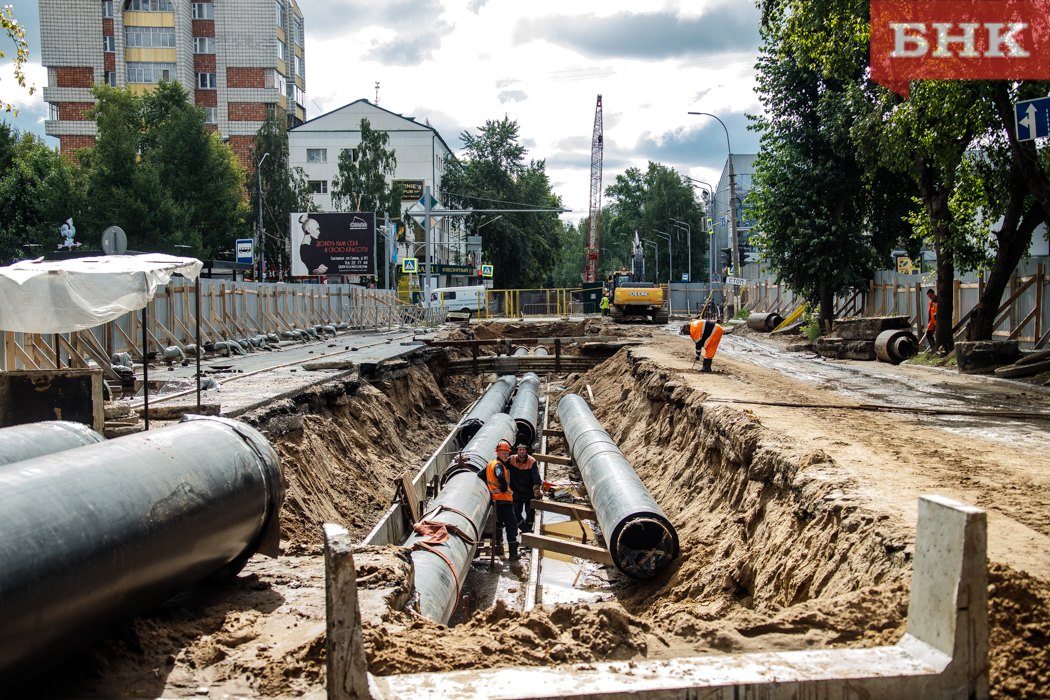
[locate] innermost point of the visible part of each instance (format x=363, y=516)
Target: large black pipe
x=491, y=402
x=22, y=442
x=641, y=539
x=97, y=534
x=467, y=497
x=526, y=407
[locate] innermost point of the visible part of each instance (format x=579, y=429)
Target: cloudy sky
x=542, y=63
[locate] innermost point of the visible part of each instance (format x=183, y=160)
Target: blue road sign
x=1033, y=119
x=245, y=250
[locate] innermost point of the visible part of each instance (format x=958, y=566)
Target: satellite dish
x=114, y=241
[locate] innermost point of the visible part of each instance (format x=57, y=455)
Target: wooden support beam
x=411, y=498
x=347, y=667
x=573, y=549
x=552, y=459
x=45, y=355
x=550, y=432
x=75, y=359
x=88, y=343
x=132, y=345
x=22, y=355
x=568, y=509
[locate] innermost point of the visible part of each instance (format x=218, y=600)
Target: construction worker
x=706, y=335
x=605, y=304
x=525, y=484
x=497, y=476
x=931, y=325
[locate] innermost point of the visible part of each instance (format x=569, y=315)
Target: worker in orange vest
x=706, y=335
x=497, y=477
x=525, y=484
x=931, y=325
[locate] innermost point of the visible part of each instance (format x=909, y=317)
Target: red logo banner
x=959, y=40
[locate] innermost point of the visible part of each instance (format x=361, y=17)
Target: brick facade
x=247, y=112
x=67, y=144
x=73, y=111
x=203, y=27
x=203, y=63
x=245, y=78
x=206, y=98
x=107, y=26
x=110, y=60
x=242, y=148
x=74, y=77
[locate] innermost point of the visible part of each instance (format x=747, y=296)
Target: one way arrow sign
x=1033, y=119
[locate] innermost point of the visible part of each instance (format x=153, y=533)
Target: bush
x=742, y=314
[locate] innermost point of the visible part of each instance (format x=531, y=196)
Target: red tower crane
x=595, y=214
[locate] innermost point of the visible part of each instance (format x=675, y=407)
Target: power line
x=499, y=201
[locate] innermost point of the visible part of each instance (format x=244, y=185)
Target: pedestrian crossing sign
x=409, y=265
x=486, y=270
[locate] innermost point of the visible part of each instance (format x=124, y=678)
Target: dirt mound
x=562, y=329
x=500, y=637
x=1019, y=647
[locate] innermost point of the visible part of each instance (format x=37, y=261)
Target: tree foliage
x=524, y=247
x=17, y=34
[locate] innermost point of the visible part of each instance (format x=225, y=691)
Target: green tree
x=524, y=247
x=17, y=35
x=285, y=190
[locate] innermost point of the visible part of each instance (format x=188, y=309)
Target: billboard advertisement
x=328, y=243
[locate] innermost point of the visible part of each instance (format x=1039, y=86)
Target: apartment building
x=240, y=59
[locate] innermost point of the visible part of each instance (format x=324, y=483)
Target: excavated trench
x=777, y=552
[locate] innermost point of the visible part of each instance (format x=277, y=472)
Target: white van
x=466, y=299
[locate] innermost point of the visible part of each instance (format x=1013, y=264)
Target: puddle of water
x=564, y=579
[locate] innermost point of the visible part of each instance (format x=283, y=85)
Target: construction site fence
x=1023, y=314
x=229, y=310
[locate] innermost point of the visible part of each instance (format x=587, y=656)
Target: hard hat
x=503, y=445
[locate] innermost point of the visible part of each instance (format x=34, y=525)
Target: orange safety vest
x=526, y=465
x=708, y=333
x=932, y=325
x=496, y=489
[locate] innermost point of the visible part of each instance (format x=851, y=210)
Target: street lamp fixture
x=732, y=191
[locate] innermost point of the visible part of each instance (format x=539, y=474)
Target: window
x=206, y=81
x=282, y=51
x=450, y=296
x=52, y=112
x=273, y=79
x=316, y=155
x=203, y=44
x=149, y=37
x=211, y=115
x=299, y=70
x=150, y=72
x=296, y=94
x=271, y=109
x=149, y=6
x=350, y=153
x=318, y=186
x=109, y=43
x=107, y=8
x=280, y=12
x=203, y=10
x=110, y=78
x=297, y=30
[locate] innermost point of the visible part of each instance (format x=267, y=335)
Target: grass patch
x=931, y=360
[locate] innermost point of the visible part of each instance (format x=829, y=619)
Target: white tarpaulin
x=60, y=296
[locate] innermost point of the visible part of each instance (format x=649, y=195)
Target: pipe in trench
x=100, y=533
x=540, y=350
x=436, y=584
x=526, y=408
x=896, y=346
x=521, y=352
x=764, y=322
x=22, y=442
x=491, y=402
x=641, y=539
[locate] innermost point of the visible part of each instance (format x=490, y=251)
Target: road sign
x=486, y=270
x=685, y=276
x=410, y=265
x=1033, y=119
x=245, y=250
x=738, y=281
x=114, y=241
x=715, y=277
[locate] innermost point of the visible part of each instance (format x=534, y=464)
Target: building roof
x=359, y=106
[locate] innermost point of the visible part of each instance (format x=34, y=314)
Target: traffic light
x=748, y=255
x=727, y=258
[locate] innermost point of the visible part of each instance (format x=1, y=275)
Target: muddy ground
x=797, y=525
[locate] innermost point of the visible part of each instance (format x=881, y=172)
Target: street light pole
x=710, y=233
x=689, y=232
x=262, y=236
x=656, y=257
x=737, y=268
x=670, y=264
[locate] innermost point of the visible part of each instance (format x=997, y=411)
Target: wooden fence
x=228, y=310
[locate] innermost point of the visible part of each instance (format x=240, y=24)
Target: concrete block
x=842, y=349
x=983, y=356
x=868, y=328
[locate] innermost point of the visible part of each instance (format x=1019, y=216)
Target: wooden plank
x=552, y=459
x=75, y=359
x=171, y=336
x=1017, y=331
x=95, y=350
x=569, y=509
x=132, y=346
x=9, y=345
x=44, y=354
x=590, y=394
x=410, y=495
x=573, y=549
x=22, y=355
x=553, y=433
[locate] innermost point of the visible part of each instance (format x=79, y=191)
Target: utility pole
x=262, y=235
x=426, y=239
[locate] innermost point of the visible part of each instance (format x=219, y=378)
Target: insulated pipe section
x=540, y=350
x=22, y=442
x=491, y=402
x=526, y=407
x=437, y=583
x=99, y=533
x=896, y=346
x=521, y=352
x=764, y=322
x=641, y=539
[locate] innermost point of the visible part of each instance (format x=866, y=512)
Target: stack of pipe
x=640, y=538
x=467, y=499
x=99, y=533
x=21, y=442
x=526, y=407
x=491, y=402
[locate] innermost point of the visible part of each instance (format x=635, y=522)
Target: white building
x=421, y=154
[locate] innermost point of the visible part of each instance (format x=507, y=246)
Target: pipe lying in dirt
x=896, y=346
x=764, y=322
x=103, y=532
x=521, y=352
x=540, y=350
x=439, y=580
x=641, y=539
x=22, y=442
x=526, y=408
x=491, y=402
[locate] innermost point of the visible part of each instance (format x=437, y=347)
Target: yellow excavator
x=631, y=299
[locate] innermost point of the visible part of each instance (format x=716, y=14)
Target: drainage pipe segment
x=99, y=533
x=526, y=407
x=641, y=539
x=464, y=502
x=22, y=442
x=491, y=402
x=896, y=346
